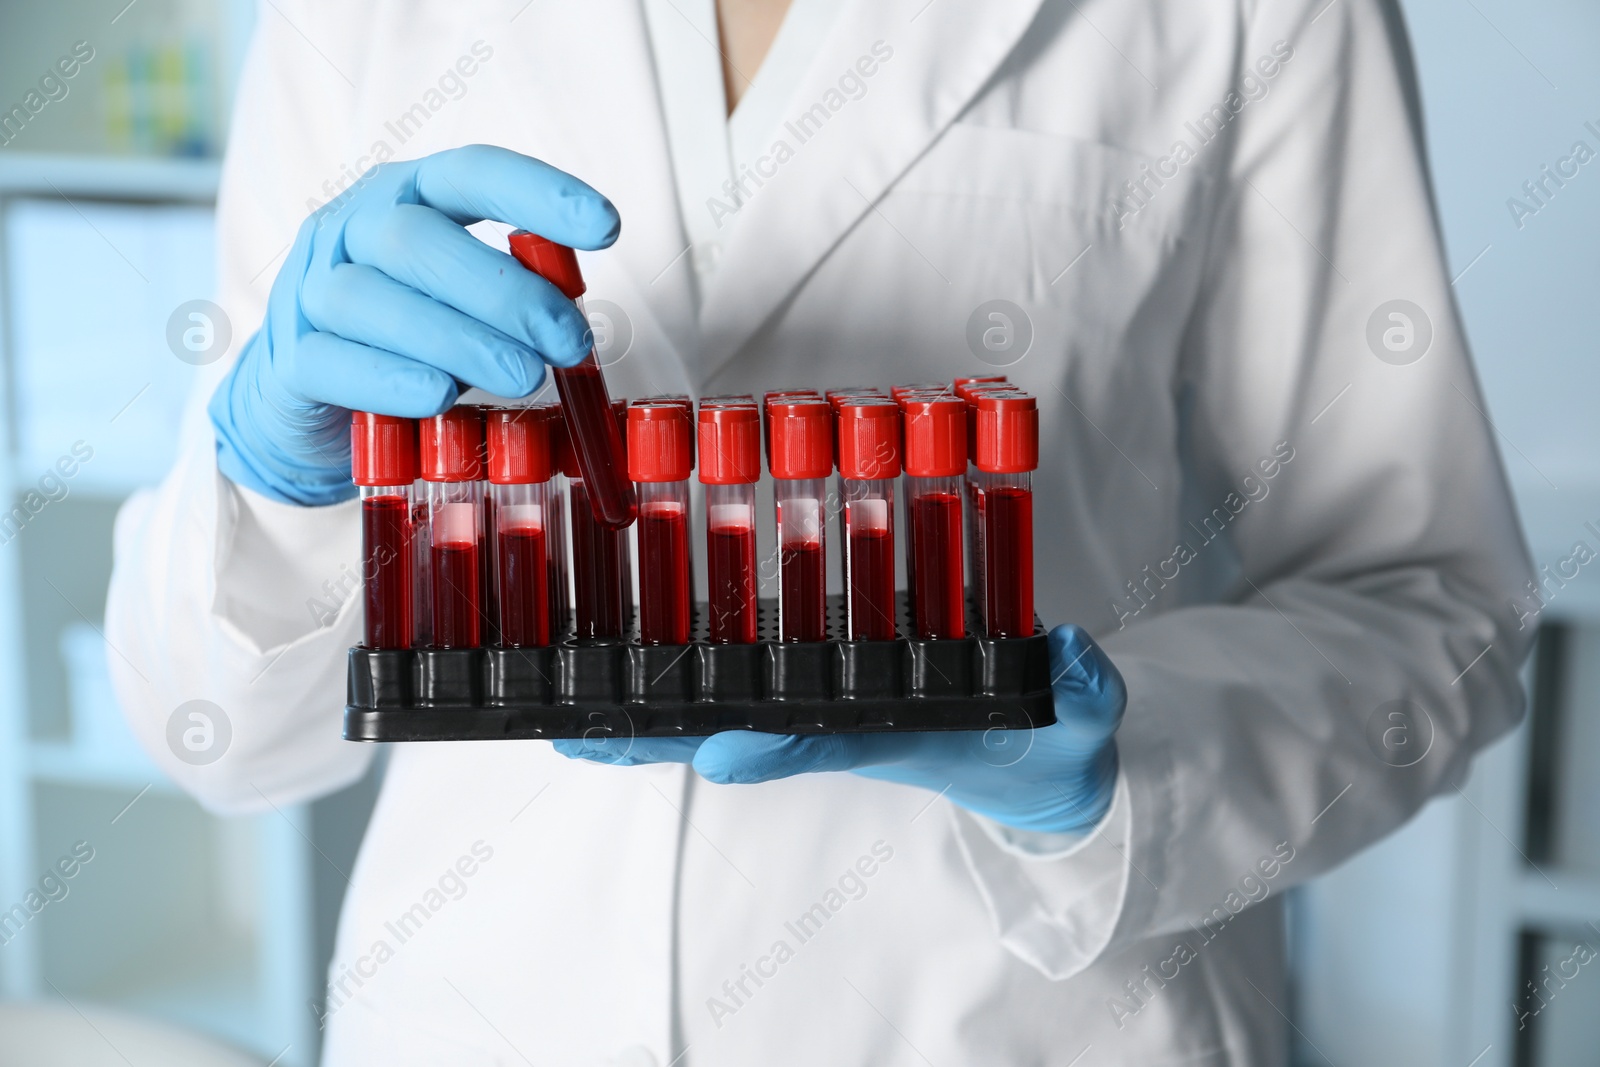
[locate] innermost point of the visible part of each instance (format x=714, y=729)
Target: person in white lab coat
x=1267, y=489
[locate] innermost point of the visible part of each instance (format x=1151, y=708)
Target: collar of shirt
x=710, y=149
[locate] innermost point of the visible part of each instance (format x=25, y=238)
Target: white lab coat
x=1182, y=342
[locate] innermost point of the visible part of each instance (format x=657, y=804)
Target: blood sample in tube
x=730, y=466
x=935, y=463
x=1007, y=455
x=596, y=439
x=452, y=469
x=659, y=463
x=800, y=438
x=384, y=465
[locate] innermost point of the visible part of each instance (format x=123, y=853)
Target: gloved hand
x=385, y=303
x=1056, y=779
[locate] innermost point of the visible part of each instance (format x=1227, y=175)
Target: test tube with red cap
x=383, y=463
x=520, y=471
x=452, y=469
x=967, y=389
x=935, y=461
x=596, y=440
x=1007, y=455
x=800, y=439
x=730, y=466
x=868, y=435
x=601, y=585
x=659, y=464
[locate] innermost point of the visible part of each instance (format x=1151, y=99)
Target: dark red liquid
x=731, y=582
x=940, y=602
x=663, y=575
x=421, y=576
x=560, y=612
x=524, y=587
x=597, y=442
x=802, y=591
x=1008, y=567
x=871, y=585
x=597, y=571
x=455, y=595
x=386, y=571
x=488, y=566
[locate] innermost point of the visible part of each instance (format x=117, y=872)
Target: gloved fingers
x=1090, y=695
x=327, y=369
x=365, y=305
x=745, y=757
x=419, y=247
x=630, y=751
x=477, y=182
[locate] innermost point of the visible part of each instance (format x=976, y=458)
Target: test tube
x=659, y=464
x=1007, y=455
x=868, y=436
x=520, y=471
x=563, y=465
x=730, y=466
x=935, y=461
x=383, y=463
x=968, y=389
x=800, y=440
x=600, y=592
x=596, y=440
x=452, y=469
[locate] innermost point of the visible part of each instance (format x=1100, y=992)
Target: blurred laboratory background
x=1434, y=948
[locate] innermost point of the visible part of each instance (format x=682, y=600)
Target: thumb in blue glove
x=387, y=304
x=1056, y=779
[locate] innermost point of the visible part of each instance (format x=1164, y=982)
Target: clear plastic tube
x=597, y=441
x=663, y=532
x=802, y=559
x=1007, y=510
x=731, y=563
x=868, y=521
x=599, y=568
x=524, y=565
x=940, y=605
x=386, y=565
x=455, y=516
x=421, y=568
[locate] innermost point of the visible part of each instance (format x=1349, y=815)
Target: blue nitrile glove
x=385, y=303
x=1056, y=779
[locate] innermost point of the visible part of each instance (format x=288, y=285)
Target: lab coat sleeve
x=218, y=594
x=1375, y=577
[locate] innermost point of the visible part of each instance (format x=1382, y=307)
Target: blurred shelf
x=109, y=177
x=64, y=763
x=1566, y=900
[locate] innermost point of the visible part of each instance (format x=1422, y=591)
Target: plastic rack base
x=623, y=689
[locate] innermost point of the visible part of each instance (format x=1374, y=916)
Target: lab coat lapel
x=604, y=104
x=942, y=52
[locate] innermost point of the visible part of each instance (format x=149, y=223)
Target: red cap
x=1008, y=432
x=680, y=400
x=383, y=449
x=869, y=437
x=452, y=445
x=725, y=399
x=800, y=437
x=556, y=264
x=973, y=379
x=968, y=390
x=658, y=442
x=936, y=436
x=839, y=396
x=519, y=445
x=730, y=444
x=898, y=391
